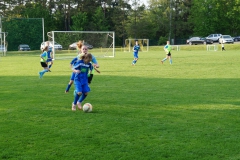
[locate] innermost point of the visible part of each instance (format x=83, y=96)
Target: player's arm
x=76, y=68
x=96, y=69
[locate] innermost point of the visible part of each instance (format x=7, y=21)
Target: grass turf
x=188, y=110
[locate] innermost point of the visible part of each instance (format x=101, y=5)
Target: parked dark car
x=73, y=46
x=195, y=40
x=24, y=47
x=237, y=38
x=207, y=41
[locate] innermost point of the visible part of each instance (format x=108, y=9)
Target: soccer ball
x=87, y=107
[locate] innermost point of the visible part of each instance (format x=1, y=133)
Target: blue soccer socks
x=83, y=96
x=76, y=97
x=42, y=73
x=164, y=59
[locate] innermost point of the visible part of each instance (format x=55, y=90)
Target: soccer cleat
x=79, y=105
x=162, y=62
x=73, y=107
x=49, y=70
x=40, y=74
x=66, y=91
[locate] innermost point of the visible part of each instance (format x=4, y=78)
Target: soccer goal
x=176, y=47
x=212, y=47
x=100, y=43
x=143, y=43
x=3, y=43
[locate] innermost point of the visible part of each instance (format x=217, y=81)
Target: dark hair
x=45, y=48
x=88, y=55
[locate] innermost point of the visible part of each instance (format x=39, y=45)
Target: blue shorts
x=84, y=88
x=135, y=55
x=72, y=76
x=49, y=60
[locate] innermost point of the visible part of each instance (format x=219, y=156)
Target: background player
x=43, y=62
x=167, y=48
x=136, y=48
x=50, y=56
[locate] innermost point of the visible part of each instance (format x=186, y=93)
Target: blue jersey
x=49, y=49
x=136, y=48
x=74, y=61
x=82, y=77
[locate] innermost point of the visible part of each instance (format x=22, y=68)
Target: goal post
x=143, y=43
x=102, y=43
x=212, y=47
x=3, y=43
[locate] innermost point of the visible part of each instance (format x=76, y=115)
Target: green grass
x=185, y=111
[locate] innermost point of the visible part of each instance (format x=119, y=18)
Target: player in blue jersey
x=95, y=66
x=136, y=48
x=72, y=63
x=50, y=57
x=81, y=69
x=167, y=48
x=43, y=62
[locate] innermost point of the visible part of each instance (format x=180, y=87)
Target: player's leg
x=164, y=59
x=78, y=89
x=70, y=82
x=135, y=59
x=170, y=58
x=85, y=90
x=51, y=63
x=45, y=69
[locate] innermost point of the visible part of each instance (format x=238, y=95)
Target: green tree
x=80, y=21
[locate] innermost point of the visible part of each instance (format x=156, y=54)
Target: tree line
x=160, y=20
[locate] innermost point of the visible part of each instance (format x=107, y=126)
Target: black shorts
x=44, y=64
x=169, y=54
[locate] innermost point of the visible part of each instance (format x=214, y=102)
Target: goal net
x=143, y=43
x=212, y=47
x=3, y=43
x=100, y=43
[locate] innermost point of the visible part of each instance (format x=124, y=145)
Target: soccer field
x=187, y=110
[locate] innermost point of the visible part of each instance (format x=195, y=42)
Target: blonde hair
x=79, y=44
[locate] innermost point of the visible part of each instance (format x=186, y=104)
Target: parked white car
x=73, y=46
x=57, y=46
x=226, y=39
x=214, y=37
